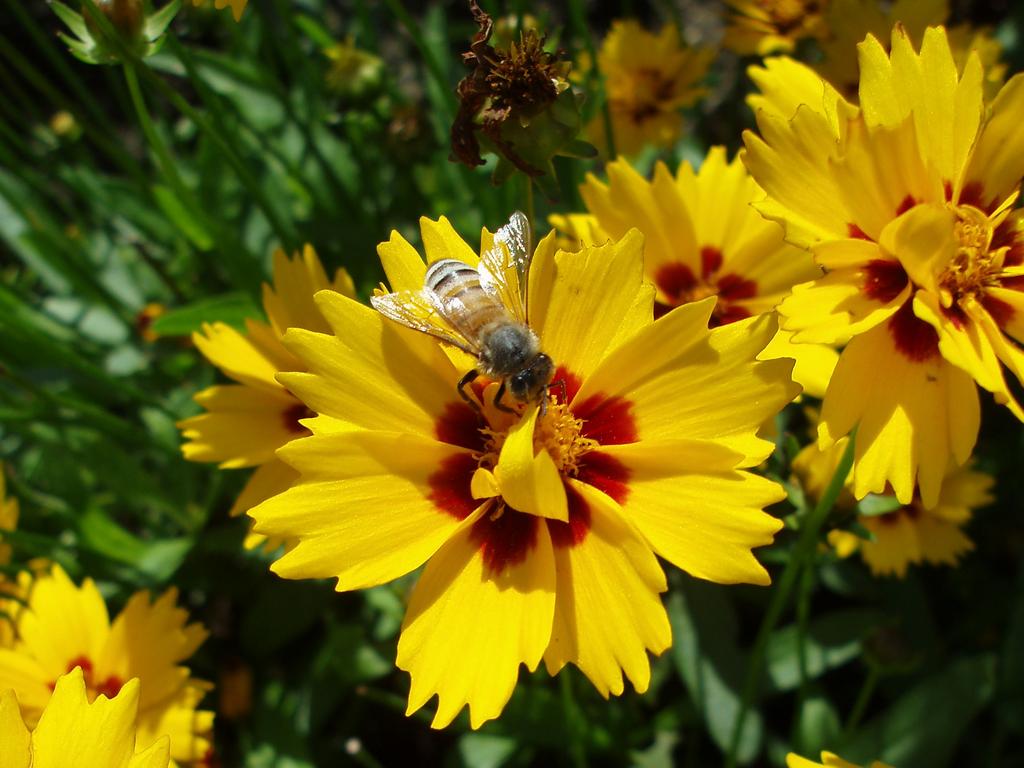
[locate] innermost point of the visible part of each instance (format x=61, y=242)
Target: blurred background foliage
x=138, y=201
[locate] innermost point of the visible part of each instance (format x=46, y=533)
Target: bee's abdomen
x=457, y=283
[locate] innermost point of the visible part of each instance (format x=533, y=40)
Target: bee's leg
x=497, y=400
x=469, y=378
x=560, y=386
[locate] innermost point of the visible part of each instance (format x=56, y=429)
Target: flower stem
x=802, y=555
x=861, y=703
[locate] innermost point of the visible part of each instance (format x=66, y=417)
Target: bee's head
x=529, y=384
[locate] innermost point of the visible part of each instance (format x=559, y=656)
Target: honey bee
x=483, y=312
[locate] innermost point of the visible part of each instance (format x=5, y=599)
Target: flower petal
x=834, y=308
x=814, y=362
x=791, y=163
x=372, y=373
x=441, y=241
x=403, y=266
x=997, y=162
x=14, y=736
x=289, y=303
x=608, y=612
x=700, y=515
x=915, y=418
x=242, y=426
x=74, y=734
x=590, y=300
x=363, y=511
x=683, y=381
x=529, y=482
x=236, y=356
x=64, y=622
x=268, y=480
x=467, y=629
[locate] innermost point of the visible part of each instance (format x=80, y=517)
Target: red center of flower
x=680, y=285
x=293, y=414
x=571, y=432
x=109, y=687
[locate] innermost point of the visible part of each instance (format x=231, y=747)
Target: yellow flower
x=237, y=6
x=906, y=202
x=828, y=760
x=772, y=26
x=850, y=21
x=246, y=422
x=63, y=627
x=702, y=238
x=74, y=732
x=538, y=529
x=648, y=79
x=903, y=535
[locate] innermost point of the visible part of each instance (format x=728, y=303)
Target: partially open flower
x=129, y=29
x=773, y=26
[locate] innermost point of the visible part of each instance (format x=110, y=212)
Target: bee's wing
x=423, y=311
x=504, y=268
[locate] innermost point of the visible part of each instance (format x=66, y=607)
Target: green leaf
x=158, y=559
x=711, y=663
x=659, y=754
x=922, y=727
x=874, y=504
x=818, y=726
x=185, y=220
x=832, y=640
x=481, y=750
x=230, y=308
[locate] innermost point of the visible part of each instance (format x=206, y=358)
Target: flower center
x=976, y=265
x=679, y=285
x=558, y=432
x=109, y=686
x=789, y=14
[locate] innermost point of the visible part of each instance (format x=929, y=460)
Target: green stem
x=163, y=155
x=571, y=712
x=802, y=554
x=803, y=615
x=861, y=703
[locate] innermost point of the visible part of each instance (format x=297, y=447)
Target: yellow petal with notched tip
x=698, y=513
x=393, y=377
x=530, y=482
x=608, y=613
x=242, y=426
x=915, y=418
x=468, y=629
x=75, y=734
x=403, y=266
x=363, y=512
x=589, y=302
x=441, y=241
x=236, y=356
x=728, y=392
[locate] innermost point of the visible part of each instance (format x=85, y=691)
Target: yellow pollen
x=975, y=266
x=557, y=431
